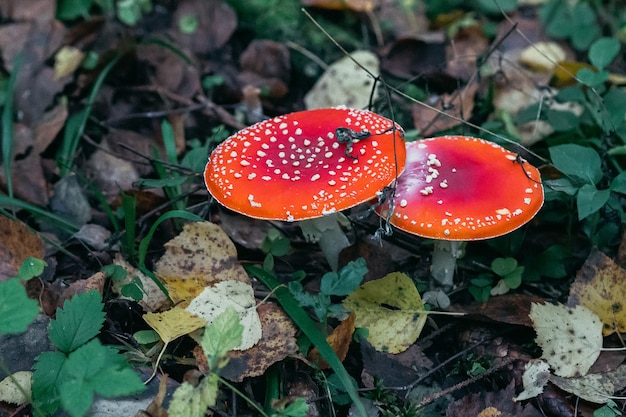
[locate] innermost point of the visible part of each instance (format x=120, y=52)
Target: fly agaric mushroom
x=459, y=188
x=307, y=166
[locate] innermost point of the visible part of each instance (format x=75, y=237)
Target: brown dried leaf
x=276, y=343
x=600, y=285
x=339, y=339
x=508, y=308
x=216, y=23
x=198, y=257
x=501, y=401
x=354, y=5
x=17, y=244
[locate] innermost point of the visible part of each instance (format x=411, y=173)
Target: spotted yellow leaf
x=600, y=285
x=570, y=337
x=391, y=309
x=174, y=323
x=201, y=255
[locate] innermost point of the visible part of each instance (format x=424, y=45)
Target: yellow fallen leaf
x=215, y=299
x=570, y=337
x=600, y=285
x=11, y=393
x=67, y=60
x=201, y=255
x=344, y=83
x=174, y=323
x=392, y=309
x=542, y=56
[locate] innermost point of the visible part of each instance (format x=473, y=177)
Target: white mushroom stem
x=327, y=232
x=445, y=254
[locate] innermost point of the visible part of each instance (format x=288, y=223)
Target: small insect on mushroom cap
x=295, y=167
x=464, y=188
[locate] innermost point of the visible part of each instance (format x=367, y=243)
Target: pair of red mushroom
x=308, y=166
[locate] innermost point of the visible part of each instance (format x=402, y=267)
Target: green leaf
x=592, y=78
x=93, y=368
x=222, y=336
x=346, y=280
x=80, y=320
x=562, y=185
x=17, y=311
x=47, y=369
x=563, y=121
x=31, y=268
x=619, y=183
x=514, y=278
x=503, y=266
x=615, y=109
x=580, y=162
x=603, y=51
x=190, y=401
x=115, y=272
x=297, y=408
x=590, y=200
x=163, y=182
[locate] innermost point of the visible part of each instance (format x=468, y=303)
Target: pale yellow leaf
x=344, y=83
x=391, y=309
x=535, y=377
x=11, y=393
x=570, y=337
x=67, y=60
x=174, y=323
x=215, y=299
x=596, y=388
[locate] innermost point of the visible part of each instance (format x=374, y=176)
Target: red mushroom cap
x=292, y=167
x=464, y=188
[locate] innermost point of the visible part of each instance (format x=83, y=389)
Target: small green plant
x=132, y=289
x=275, y=244
x=610, y=409
x=576, y=21
x=17, y=311
x=69, y=377
x=339, y=283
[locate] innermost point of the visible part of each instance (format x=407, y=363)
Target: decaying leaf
x=215, y=299
x=198, y=257
x=11, y=393
x=277, y=342
x=17, y=244
x=542, y=56
x=596, y=388
x=535, y=377
x=600, y=285
x=345, y=83
x=339, y=340
x=392, y=310
x=174, y=323
x=570, y=337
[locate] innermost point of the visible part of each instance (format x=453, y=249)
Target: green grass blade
x=145, y=242
x=76, y=124
x=10, y=203
x=7, y=124
x=308, y=327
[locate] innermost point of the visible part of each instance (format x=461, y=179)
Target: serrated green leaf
x=503, y=266
x=76, y=397
x=580, y=162
x=346, y=280
x=190, y=401
x=590, y=200
x=31, y=268
x=223, y=335
x=94, y=368
x=79, y=321
x=17, y=311
x=603, y=51
x=48, y=367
